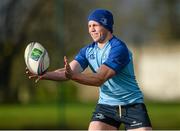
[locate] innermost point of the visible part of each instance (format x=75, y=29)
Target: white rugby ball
x=36, y=58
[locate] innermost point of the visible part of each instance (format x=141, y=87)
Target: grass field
x=76, y=116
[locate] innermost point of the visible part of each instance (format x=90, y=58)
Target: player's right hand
x=31, y=75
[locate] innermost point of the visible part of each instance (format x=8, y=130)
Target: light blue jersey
x=122, y=89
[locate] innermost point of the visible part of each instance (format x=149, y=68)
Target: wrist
x=45, y=76
x=73, y=76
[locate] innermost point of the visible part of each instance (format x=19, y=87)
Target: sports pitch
x=76, y=116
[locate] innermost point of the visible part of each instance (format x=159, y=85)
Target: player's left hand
x=68, y=70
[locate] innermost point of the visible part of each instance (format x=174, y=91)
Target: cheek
x=89, y=30
x=98, y=30
x=104, y=32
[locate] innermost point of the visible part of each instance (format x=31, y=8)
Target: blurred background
x=150, y=28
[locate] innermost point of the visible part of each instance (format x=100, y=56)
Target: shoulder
x=87, y=48
x=118, y=56
x=81, y=57
x=118, y=46
x=116, y=42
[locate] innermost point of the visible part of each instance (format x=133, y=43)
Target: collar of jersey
x=106, y=44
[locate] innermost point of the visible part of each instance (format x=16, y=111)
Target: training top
x=121, y=89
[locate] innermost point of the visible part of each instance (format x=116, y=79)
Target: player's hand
x=33, y=76
x=68, y=70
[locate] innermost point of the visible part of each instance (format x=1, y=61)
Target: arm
x=59, y=74
x=56, y=75
x=92, y=79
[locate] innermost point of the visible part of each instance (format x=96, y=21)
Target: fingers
x=66, y=63
x=31, y=75
x=65, y=60
x=37, y=80
x=68, y=71
x=28, y=72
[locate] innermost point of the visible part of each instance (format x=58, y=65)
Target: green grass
x=164, y=116
x=76, y=116
x=19, y=117
x=70, y=116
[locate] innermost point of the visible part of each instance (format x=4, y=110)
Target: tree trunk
x=5, y=72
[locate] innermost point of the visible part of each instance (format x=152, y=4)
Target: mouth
x=94, y=35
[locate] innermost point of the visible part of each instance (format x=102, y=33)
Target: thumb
x=65, y=60
x=37, y=80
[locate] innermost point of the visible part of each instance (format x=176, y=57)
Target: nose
x=91, y=29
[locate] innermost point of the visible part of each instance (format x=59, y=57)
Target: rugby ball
x=36, y=58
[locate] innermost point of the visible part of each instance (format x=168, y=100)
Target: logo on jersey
x=104, y=57
x=92, y=56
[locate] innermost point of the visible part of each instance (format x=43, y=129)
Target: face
x=97, y=31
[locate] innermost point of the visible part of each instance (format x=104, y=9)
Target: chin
x=96, y=40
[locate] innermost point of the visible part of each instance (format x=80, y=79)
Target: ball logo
x=36, y=54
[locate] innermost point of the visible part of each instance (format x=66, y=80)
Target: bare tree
x=15, y=18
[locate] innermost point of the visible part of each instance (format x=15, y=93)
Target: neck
x=102, y=43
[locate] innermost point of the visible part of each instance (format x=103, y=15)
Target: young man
x=120, y=99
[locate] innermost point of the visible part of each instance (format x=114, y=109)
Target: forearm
x=92, y=79
x=57, y=75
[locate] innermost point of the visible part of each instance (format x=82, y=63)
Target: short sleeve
x=81, y=58
x=118, y=57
